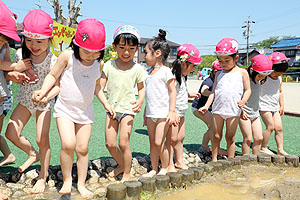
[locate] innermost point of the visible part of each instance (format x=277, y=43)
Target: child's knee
x=124, y=145
x=111, y=145
x=82, y=150
x=229, y=139
x=43, y=142
x=248, y=140
x=68, y=146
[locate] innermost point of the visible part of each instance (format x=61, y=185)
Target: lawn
x=139, y=143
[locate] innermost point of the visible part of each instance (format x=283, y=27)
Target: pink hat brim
x=11, y=35
x=194, y=60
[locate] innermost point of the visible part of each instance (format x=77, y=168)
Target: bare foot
x=66, y=188
x=32, y=159
x=222, y=152
x=282, y=153
x=85, y=193
x=3, y=196
x=149, y=174
x=266, y=151
x=163, y=171
x=126, y=177
x=172, y=169
x=181, y=166
x=39, y=186
x=115, y=172
x=9, y=159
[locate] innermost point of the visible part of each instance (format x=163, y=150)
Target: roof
x=171, y=44
x=287, y=43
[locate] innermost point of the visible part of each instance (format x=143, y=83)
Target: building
x=140, y=56
x=291, y=48
x=251, y=53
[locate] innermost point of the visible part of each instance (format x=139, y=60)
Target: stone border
x=18, y=186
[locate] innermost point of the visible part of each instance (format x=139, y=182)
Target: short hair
x=252, y=74
x=75, y=48
x=128, y=37
x=160, y=43
x=280, y=67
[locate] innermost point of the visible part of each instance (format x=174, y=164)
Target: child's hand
x=244, y=115
x=241, y=103
x=137, y=106
x=281, y=111
x=17, y=77
x=110, y=110
x=37, y=97
x=173, y=119
x=23, y=65
x=195, y=95
x=32, y=75
x=203, y=110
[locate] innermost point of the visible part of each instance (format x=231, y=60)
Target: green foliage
x=271, y=41
x=12, y=54
x=145, y=195
x=206, y=62
x=107, y=54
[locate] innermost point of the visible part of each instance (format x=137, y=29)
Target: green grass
x=139, y=142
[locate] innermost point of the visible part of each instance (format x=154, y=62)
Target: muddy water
x=252, y=183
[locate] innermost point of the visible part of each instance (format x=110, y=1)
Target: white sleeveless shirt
x=228, y=92
x=269, y=97
x=77, y=86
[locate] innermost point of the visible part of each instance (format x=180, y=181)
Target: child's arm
x=247, y=89
x=99, y=92
x=53, y=92
x=17, y=77
x=138, y=103
x=52, y=77
x=173, y=117
x=194, y=95
x=281, y=109
x=205, y=91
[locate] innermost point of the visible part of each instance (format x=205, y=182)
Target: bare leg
x=66, y=129
x=43, y=119
x=218, y=123
x=267, y=118
x=17, y=121
x=83, y=134
x=125, y=131
x=279, y=133
x=111, y=133
x=207, y=118
x=171, y=140
x=231, y=126
x=257, y=135
x=3, y=196
x=178, y=148
x=245, y=126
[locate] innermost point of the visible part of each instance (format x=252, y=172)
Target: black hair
x=128, y=37
x=281, y=67
x=252, y=74
x=75, y=48
x=25, y=51
x=176, y=69
x=8, y=39
x=160, y=43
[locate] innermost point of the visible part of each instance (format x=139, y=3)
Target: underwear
x=154, y=119
x=119, y=116
x=225, y=116
x=273, y=113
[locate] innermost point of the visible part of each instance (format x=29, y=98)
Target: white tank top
x=269, y=97
x=77, y=86
x=228, y=92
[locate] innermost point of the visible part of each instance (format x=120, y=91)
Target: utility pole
x=246, y=34
x=39, y=5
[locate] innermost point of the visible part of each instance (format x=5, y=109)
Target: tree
x=207, y=61
x=73, y=12
x=271, y=41
x=107, y=55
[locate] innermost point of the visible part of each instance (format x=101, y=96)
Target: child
x=187, y=57
x=271, y=103
x=230, y=92
x=205, y=90
x=250, y=125
x=121, y=77
x=160, y=111
x=36, y=24
x=78, y=71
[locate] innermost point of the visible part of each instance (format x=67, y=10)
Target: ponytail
x=176, y=69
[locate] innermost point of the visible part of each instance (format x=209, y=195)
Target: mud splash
x=253, y=182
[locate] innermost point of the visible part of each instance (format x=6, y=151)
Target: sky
x=198, y=22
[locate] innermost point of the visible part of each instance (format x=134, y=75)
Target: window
x=290, y=53
x=173, y=51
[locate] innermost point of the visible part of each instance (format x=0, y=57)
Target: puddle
x=252, y=183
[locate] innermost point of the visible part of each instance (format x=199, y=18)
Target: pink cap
x=127, y=29
x=190, y=53
x=90, y=35
x=226, y=46
x=278, y=57
x=262, y=64
x=216, y=65
x=8, y=26
x=37, y=24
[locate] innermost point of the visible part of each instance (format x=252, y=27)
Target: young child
x=121, y=76
x=37, y=24
x=271, y=103
x=160, y=111
x=250, y=125
x=187, y=57
x=78, y=71
x=230, y=92
x=205, y=90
